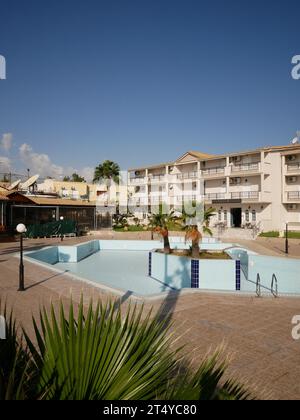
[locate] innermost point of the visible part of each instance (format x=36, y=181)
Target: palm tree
x=208, y=214
x=102, y=354
x=107, y=171
x=160, y=223
x=193, y=234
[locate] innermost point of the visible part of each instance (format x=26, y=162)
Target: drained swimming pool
x=135, y=267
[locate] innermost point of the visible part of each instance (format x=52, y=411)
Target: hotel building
x=258, y=188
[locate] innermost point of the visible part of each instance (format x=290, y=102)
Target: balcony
x=154, y=178
x=213, y=172
x=293, y=167
x=246, y=167
x=137, y=180
x=245, y=195
x=137, y=202
x=214, y=196
x=187, y=175
x=185, y=198
x=293, y=196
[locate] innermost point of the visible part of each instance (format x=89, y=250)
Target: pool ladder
x=274, y=286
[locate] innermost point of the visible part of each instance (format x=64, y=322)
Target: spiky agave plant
x=206, y=383
x=17, y=375
x=100, y=354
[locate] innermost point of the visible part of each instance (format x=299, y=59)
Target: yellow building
x=73, y=190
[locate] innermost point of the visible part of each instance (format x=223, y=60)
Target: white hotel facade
x=252, y=188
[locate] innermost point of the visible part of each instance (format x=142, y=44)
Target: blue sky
x=144, y=81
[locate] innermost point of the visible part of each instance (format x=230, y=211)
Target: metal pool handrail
x=258, y=285
x=274, y=286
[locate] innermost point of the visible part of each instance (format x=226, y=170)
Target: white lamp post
x=61, y=226
x=286, y=237
x=21, y=229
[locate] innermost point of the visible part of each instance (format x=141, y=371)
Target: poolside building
x=252, y=188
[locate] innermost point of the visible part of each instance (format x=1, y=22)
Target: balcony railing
x=137, y=202
x=293, y=167
x=137, y=180
x=246, y=195
x=293, y=195
x=187, y=175
x=156, y=177
x=219, y=170
x=246, y=167
x=185, y=198
x=214, y=196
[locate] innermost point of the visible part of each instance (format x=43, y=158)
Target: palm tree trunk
x=167, y=248
x=195, y=249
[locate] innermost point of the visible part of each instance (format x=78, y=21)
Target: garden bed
x=204, y=255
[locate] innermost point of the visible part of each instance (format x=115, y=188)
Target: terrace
x=263, y=354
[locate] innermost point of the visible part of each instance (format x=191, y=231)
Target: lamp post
x=287, y=237
x=61, y=230
x=21, y=229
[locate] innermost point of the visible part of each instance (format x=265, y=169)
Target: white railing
x=219, y=170
x=245, y=195
x=214, y=196
x=187, y=175
x=293, y=167
x=293, y=195
x=246, y=167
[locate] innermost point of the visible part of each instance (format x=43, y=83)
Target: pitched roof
x=60, y=201
x=200, y=155
x=3, y=197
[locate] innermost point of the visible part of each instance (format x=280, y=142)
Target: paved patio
x=256, y=332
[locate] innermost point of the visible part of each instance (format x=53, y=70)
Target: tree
x=193, y=234
x=160, y=223
x=107, y=171
x=74, y=178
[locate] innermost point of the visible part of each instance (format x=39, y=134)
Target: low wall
x=182, y=272
x=77, y=252
x=47, y=255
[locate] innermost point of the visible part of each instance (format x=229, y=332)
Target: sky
x=143, y=81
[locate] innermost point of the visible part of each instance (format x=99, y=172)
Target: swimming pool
x=134, y=267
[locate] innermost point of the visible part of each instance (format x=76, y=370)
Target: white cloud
x=39, y=163
x=6, y=141
x=5, y=164
x=87, y=173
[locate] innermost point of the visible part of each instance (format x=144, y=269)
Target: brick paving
x=256, y=332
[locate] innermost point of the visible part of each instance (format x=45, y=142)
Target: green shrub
x=272, y=234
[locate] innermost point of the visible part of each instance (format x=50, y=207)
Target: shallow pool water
x=126, y=270
x=124, y=265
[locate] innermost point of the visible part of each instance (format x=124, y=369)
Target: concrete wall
x=48, y=255
x=176, y=272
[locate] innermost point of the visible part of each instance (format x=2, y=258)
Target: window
x=247, y=216
x=225, y=216
x=253, y=215
x=220, y=215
